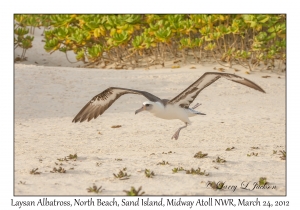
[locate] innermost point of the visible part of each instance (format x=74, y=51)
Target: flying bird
x=176, y=108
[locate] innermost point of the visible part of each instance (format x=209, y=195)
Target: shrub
x=144, y=40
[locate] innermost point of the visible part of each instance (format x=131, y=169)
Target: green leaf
x=80, y=55
x=21, y=31
x=210, y=46
x=264, y=18
x=95, y=51
x=51, y=44
x=163, y=34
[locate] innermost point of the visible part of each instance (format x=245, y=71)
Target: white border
x=187, y=6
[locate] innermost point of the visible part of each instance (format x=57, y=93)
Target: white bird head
x=147, y=106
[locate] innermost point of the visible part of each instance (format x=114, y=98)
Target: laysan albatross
x=176, y=108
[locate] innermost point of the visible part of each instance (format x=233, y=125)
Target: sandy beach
x=48, y=98
x=49, y=92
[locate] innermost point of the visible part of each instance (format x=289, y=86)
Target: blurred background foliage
x=143, y=40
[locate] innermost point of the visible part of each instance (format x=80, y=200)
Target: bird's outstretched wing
x=99, y=103
x=187, y=96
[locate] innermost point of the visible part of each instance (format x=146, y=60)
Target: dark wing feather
x=99, y=103
x=186, y=97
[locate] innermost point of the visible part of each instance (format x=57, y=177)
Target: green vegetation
x=163, y=163
x=262, y=181
x=252, y=154
x=229, y=149
x=122, y=175
x=95, y=189
x=59, y=170
x=142, y=40
x=21, y=182
x=196, y=172
x=58, y=163
x=149, y=174
x=69, y=157
x=200, y=155
x=283, y=153
x=167, y=152
x=134, y=192
x=34, y=171
x=175, y=170
x=72, y=157
x=118, y=159
x=116, y=126
x=216, y=186
x=219, y=160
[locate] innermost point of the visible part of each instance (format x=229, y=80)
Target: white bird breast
x=170, y=112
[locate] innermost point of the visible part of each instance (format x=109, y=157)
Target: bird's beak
x=140, y=110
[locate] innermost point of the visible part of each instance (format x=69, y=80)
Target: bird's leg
x=196, y=105
x=176, y=135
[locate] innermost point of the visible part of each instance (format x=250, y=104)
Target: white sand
x=48, y=98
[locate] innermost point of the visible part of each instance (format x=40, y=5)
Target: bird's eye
x=147, y=104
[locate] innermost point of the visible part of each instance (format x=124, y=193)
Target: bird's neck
x=157, y=108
